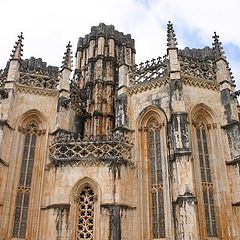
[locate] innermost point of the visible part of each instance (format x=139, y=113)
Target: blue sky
x=49, y=25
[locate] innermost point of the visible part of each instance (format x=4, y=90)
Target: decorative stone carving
x=38, y=81
x=63, y=102
x=69, y=149
x=121, y=111
x=148, y=86
x=180, y=132
x=233, y=133
x=202, y=83
x=37, y=66
x=3, y=93
x=109, y=32
x=204, y=69
x=79, y=96
x=177, y=89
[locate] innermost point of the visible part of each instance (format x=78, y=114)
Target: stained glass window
x=157, y=200
x=85, y=214
x=24, y=186
x=206, y=180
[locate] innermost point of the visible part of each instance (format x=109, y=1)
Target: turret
x=63, y=108
x=176, y=84
x=225, y=78
x=66, y=69
x=99, y=58
x=172, y=51
x=223, y=73
x=16, y=56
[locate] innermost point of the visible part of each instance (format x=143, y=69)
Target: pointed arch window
x=206, y=180
x=25, y=179
x=156, y=182
x=85, y=214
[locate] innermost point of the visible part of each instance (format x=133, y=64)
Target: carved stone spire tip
x=67, y=58
x=171, y=36
x=18, y=48
x=217, y=47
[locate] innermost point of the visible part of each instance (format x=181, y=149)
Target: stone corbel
x=3, y=162
x=63, y=102
x=3, y=93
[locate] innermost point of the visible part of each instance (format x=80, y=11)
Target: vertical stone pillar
x=12, y=77
x=231, y=124
x=121, y=102
x=183, y=197
x=63, y=108
x=227, y=86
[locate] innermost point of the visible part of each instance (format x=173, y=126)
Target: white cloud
x=49, y=25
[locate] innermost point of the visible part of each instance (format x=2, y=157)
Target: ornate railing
x=204, y=69
x=38, y=81
x=69, y=149
x=150, y=70
x=35, y=72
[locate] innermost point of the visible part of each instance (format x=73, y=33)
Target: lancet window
x=25, y=179
x=206, y=180
x=156, y=182
x=85, y=214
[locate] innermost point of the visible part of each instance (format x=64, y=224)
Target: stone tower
x=114, y=150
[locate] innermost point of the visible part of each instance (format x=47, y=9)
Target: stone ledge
x=120, y=205
x=236, y=204
x=235, y=161
x=57, y=205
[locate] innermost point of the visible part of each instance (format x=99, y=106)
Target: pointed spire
x=171, y=36
x=67, y=58
x=218, y=48
x=17, y=49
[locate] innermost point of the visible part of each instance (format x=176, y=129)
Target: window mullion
x=28, y=154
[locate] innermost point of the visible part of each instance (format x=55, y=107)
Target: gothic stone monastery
x=111, y=150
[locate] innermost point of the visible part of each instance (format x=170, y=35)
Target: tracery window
x=156, y=182
x=85, y=214
x=24, y=186
x=206, y=180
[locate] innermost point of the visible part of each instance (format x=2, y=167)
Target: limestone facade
x=119, y=150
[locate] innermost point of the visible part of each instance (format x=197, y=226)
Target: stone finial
x=220, y=54
x=17, y=49
x=67, y=58
x=217, y=47
x=171, y=36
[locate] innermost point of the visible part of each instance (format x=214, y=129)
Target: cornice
x=36, y=90
x=145, y=86
x=200, y=82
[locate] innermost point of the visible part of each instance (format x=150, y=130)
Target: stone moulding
x=36, y=90
x=199, y=82
x=145, y=86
